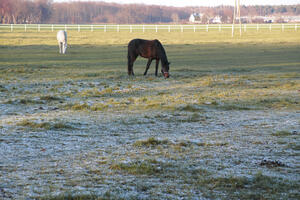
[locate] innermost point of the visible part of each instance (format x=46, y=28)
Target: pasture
x=225, y=125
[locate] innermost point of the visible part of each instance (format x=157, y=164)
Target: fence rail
x=144, y=28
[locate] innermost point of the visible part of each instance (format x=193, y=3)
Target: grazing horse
x=62, y=41
x=151, y=49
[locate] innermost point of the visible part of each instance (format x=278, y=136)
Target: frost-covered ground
x=50, y=146
x=226, y=125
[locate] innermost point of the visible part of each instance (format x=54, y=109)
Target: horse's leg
x=131, y=60
x=63, y=48
x=156, y=66
x=148, y=65
x=129, y=64
x=59, y=46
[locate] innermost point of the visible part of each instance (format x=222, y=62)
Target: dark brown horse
x=151, y=49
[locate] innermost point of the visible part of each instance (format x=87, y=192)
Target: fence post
x=78, y=28
x=92, y=28
x=156, y=28
x=25, y=28
x=118, y=28
x=206, y=27
x=245, y=27
x=104, y=28
x=220, y=28
x=143, y=28
x=295, y=27
x=194, y=28
x=282, y=27
x=169, y=28
x=52, y=28
x=257, y=27
x=39, y=27
x=11, y=28
x=181, y=28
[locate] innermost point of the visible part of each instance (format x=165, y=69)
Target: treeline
x=45, y=11
x=25, y=11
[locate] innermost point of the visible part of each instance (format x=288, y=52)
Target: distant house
x=196, y=18
x=269, y=19
x=217, y=20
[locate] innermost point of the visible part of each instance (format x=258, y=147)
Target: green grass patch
x=50, y=98
x=258, y=76
x=280, y=102
x=108, y=195
x=79, y=107
x=216, y=144
x=195, y=117
x=44, y=125
x=282, y=133
x=99, y=107
x=24, y=101
x=148, y=167
x=237, y=106
x=34, y=125
x=150, y=142
x=239, y=187
x=191, y=108
x=72, y=196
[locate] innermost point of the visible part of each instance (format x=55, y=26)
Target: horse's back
x=136, y=43
x=141, y=44
x=145, y=48
x=62, y=36
x=142, y=41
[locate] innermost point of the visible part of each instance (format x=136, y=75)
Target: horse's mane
x=162, y=52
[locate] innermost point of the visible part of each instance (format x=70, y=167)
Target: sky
x=182, y=3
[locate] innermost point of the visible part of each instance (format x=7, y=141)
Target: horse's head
x=165, y=69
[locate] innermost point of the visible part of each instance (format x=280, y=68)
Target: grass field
x=225, y=125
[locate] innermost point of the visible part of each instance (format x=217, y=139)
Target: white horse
x=62, y=41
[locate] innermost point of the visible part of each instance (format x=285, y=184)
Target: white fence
x=146, y=28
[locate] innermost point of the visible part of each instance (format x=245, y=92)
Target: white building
x=195, y=18
x=217, y=20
